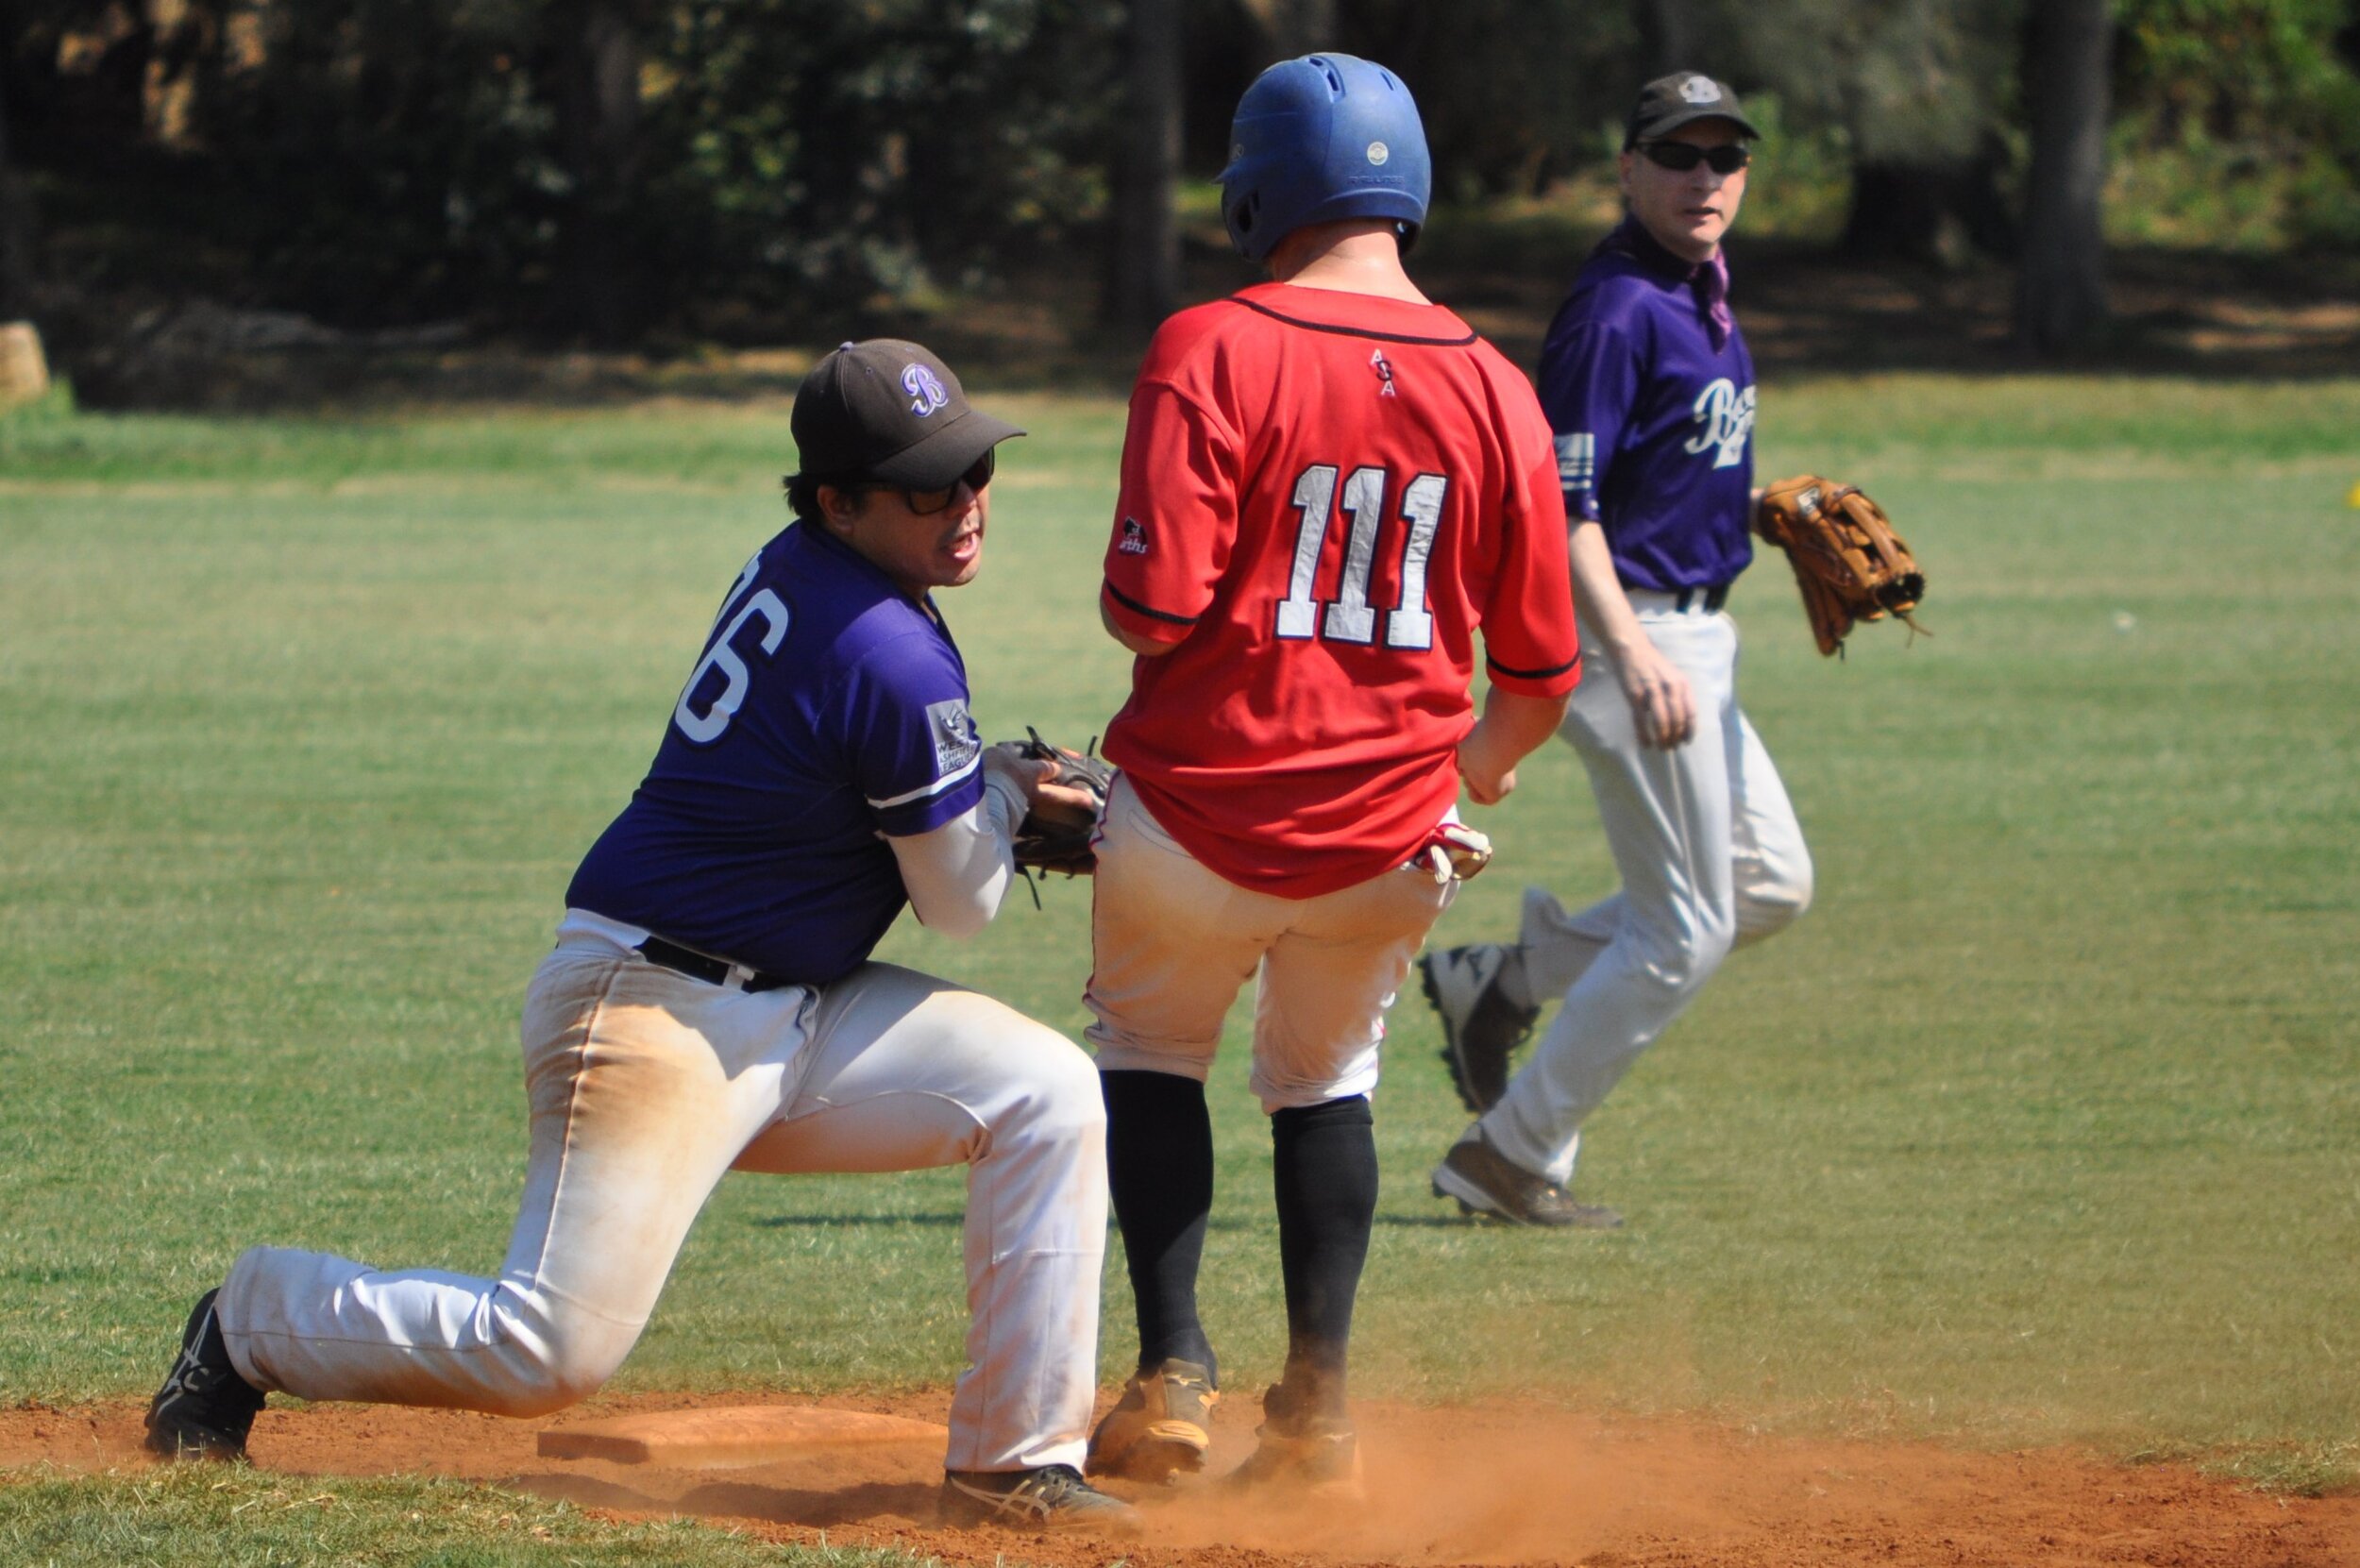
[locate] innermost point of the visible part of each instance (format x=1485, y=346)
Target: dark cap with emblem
x=1679, y=99
x=889, y=411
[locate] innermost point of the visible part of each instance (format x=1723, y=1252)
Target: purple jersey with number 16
x=1653, y=421
x=827, y=709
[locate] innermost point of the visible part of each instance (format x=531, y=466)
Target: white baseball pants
x=646, y=1085
x=1172, y=942
x=1710, y=858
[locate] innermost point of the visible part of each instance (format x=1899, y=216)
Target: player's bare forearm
x=1514, y=726
x=1662, y=706
x=1599, y=602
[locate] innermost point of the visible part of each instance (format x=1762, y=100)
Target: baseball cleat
x=1053, y=1497
x=205, y=1410
x=1485, y=1182
x=1160, y=1426
x=1315, y=1457
x=1481, y=1028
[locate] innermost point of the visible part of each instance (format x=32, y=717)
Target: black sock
x=1159, y=1171
x=1324, y=1168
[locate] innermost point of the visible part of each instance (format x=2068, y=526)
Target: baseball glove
x=1058, y=837
x=1849, y=564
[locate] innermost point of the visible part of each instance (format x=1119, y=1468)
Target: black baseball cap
x=890, y=411
x=1679, y=99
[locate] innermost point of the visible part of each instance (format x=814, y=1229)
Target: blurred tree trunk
x=17, y=271
x=1291, y=28
x=1931, y=213
x=1144, y=282
x=599, y=278
x=1667, y=39
x=2061, y=291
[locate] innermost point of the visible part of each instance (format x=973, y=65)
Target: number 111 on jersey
x=1349, y=617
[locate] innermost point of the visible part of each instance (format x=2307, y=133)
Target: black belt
x=1714, y=598
x=698, y=965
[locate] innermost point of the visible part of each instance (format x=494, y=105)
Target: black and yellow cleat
x=1159, y=1428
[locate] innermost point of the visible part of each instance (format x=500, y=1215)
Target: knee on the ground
x=557, y=1354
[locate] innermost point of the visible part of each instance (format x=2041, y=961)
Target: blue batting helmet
x=1322, y=138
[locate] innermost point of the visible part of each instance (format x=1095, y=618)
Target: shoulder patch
x=1134, y=540
x=956, y=744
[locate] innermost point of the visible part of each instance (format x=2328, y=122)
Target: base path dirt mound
x=1488, y=1484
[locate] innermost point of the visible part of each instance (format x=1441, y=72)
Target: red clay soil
x=1490, y=1484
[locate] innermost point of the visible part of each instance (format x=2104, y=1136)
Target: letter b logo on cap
x=925, y=390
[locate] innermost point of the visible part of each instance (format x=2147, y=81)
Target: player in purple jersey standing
x=1650, y=397
x=712, y=1005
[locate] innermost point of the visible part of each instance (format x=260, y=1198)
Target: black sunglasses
x=1681, y=157
x=927, y=502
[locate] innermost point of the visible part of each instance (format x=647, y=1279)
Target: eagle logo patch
x=953, y=730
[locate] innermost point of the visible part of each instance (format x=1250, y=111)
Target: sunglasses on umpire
x=926, y=502
x=1681, y=157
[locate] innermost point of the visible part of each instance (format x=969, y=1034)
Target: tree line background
x=742, y=170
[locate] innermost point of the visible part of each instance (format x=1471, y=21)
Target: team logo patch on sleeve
x=1134, y=540
x=956, y=744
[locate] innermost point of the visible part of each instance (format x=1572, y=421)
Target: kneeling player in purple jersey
x=1650, y=396
x=711, y=1003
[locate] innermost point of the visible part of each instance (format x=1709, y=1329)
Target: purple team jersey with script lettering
x=827, y=709
x=1654, y=425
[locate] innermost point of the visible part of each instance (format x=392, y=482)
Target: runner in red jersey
x=1323, y=495
x=1330, y=487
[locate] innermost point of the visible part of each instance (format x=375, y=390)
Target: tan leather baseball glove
x=1848, y=560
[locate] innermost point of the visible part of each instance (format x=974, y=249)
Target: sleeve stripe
x=934, y=788
x=1495, y=666
x=1137, y=608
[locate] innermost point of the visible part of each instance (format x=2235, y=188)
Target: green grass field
x=2044, y=1127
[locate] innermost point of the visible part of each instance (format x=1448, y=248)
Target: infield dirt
x=1493, y=1484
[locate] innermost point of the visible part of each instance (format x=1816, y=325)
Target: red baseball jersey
x=1324, y=494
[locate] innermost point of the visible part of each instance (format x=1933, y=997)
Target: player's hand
x=1493, y=792
x=1060, y=802
x=1490, y=778
x=1663, y=704
x=1031, y=775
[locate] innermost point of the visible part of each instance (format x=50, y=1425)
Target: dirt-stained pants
x=646, y=1085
